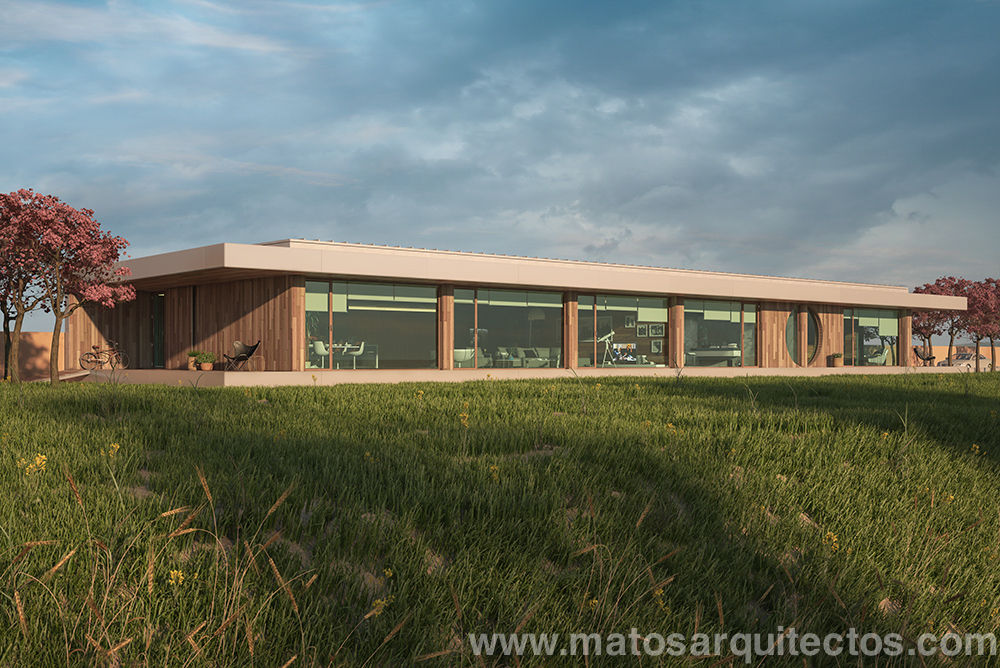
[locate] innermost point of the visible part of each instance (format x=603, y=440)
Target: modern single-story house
x=334, y=306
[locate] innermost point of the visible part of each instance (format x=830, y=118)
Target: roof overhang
x=224, y=262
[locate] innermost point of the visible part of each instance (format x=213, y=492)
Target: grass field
x=380, y=524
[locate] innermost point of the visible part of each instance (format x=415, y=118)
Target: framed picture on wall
x=629, y=321
x=656, y=329
x=641, y=330
x=656, y=346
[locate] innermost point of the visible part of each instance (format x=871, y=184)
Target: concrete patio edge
x=321, y=377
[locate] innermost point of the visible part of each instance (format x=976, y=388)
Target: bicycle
x=99, y=357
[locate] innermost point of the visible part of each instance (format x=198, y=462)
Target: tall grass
x=379, y=524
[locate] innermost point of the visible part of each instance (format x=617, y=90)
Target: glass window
x=585, y=326
x=371, y=325
x=508, y=329
x=792, y=334
x=749, y=335
x=623, y=330
x=873, y=337
x=465, y=329
x=719, y=333
x=848, y=337
x=317, y=324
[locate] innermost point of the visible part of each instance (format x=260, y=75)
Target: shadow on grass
x=519, y=520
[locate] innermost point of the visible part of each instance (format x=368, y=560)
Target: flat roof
x=351, y=261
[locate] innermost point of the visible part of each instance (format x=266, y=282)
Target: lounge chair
x=242, y=355
x=928, y=360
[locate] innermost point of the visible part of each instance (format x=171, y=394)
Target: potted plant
x=205, y=361
x=837, y=359
x=192, y=360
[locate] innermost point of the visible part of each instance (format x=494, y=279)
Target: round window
x=792, y=335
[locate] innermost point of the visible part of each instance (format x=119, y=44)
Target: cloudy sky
x=842, y=140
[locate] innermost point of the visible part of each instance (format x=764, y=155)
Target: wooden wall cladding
x=675, y=332
x=177, y=326
x=130, y=325
x=831, y=332
x=446, y=327
x=771, y=333
x=906, y=356
x=250, y=310
x=570, y=327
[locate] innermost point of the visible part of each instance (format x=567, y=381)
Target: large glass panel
x=812, y=335
x=848, y=337
x=585, y=329
x=877, y=336
x=465, y=329
x=519, y=329
x=749, y=335
x=317, y=325
x=384, y=326
x=631, y=330
x=792, y=335
x=713, y=334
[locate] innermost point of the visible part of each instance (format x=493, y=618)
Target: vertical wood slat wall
x=571, y=334
x=446, y=327
x=675, y=332
x=129, y=325
x=250, y=310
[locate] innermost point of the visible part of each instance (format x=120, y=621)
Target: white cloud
x=11, y=77
x=25, y=22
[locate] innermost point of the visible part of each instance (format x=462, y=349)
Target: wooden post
x=905, y=339
x=446, y=327
x=571, y=323
x=675, y=332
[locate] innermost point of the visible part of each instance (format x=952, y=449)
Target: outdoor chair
x=928, y=360
x=242, y=356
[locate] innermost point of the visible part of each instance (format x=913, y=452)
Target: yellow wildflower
x=379, y=605
x=176, y=578
x=494, y=471
x=975, y=449
x=111, y=450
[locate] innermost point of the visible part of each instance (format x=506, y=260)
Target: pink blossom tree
x=20, y=291
x=952, y=322
x=980, y=321
x=74, y=260
x=927, y=324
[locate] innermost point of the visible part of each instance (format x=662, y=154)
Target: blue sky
x=846, y=140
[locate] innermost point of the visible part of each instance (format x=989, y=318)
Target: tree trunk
x=13, y=359
x=6, y=347
x=54, y=351
x=951, y=346
x=977, y=355
x=993, y=356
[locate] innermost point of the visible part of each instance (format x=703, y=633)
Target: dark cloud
x=843, y=140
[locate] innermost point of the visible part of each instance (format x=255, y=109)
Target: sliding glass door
x=720, y=333
x=370, y=325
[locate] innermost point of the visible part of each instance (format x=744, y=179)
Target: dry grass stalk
x=204, y=483
x=186, y=522
x=182, y=509
x=229, y=620
x=434, y=655
x=246, y=624
x=149, y=571
x=52, y=571
x=20, y=613
x=289, y=662
x=120, y=645
x=645, y=511
x=281, y=500
x=283, y=585
x=190, y=637
x=72, y=484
